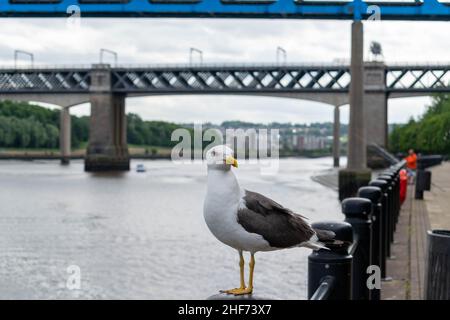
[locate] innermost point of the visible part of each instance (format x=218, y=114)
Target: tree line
x=24, y=125
x=430, y=134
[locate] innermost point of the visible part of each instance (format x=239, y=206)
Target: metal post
x=390, y=217
x=418, y=194
x=332, y=267
x=113, y=53
x=423, y=182
x=395, y=174
x=357, y=212
x=396, y=169
x=395, y=195
x=283, y=53
x=383, y=185
x=191, y=51
x=374, y=195
x=336, y=137
x=29, y=54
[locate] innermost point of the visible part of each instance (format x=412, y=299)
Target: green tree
x=429, y=134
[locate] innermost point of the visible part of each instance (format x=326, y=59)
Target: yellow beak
x=231, y=160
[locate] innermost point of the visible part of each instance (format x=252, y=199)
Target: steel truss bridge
x=298, y=9
x=213, y=79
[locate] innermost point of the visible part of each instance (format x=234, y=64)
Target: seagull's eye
x=213, y=153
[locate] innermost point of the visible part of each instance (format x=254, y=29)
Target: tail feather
x=315, y=245
x=320, y=239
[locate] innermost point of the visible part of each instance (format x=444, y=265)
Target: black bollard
x=393, y=205
x=390, y=212
x=383, y=185
x=423, y=183
x=374, y=195
x=395, y=194
x=331, y=270
x=398, y=204
x=395, y=176
x=357, y=212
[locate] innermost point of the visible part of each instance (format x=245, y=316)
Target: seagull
x=248, y=221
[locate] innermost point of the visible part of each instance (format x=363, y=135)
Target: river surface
x=140, y=235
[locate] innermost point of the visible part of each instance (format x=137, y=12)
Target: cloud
x=220, y=108
x=150, y=41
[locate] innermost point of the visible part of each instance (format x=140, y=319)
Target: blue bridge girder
x=213, y=79
x=297, y=9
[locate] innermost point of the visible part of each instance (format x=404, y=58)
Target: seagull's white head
x=221, y=157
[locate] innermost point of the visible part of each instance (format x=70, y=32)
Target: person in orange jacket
x=411, y=165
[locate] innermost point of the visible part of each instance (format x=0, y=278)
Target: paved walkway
x=438, y=200
x=406, y=267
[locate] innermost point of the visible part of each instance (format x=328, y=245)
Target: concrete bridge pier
x=107, y=148
x=357, y=134
x=375, y=109
x=356, y=174
x=336, y=137
x=64, y=136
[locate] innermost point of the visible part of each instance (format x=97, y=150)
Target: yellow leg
x=252, y=268
x=241, y=269
x=242, y=289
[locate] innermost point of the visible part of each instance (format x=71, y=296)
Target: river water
x=140, y=235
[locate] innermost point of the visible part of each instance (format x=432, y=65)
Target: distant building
x=304, y=142
x=310, y=142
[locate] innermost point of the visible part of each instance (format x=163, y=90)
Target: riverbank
x=136, y=152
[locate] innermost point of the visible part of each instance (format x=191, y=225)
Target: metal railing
x=362, y=242
x=324, y=289
x=187, y=65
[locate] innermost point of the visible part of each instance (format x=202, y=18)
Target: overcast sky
x=145, y=41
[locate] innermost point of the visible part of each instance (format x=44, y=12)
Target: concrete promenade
x=407, y=265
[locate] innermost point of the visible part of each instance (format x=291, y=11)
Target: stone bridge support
x=356, y=174
x=375, y=113
x=64, y=136
x=63, y=100
x=336, y=137
x=107, y=148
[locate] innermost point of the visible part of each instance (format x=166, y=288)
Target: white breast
x=223, y=198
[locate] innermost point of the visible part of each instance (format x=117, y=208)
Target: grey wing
x=278, y=225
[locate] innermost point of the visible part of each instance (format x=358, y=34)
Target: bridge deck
x=234, y=79
x=294, y=9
